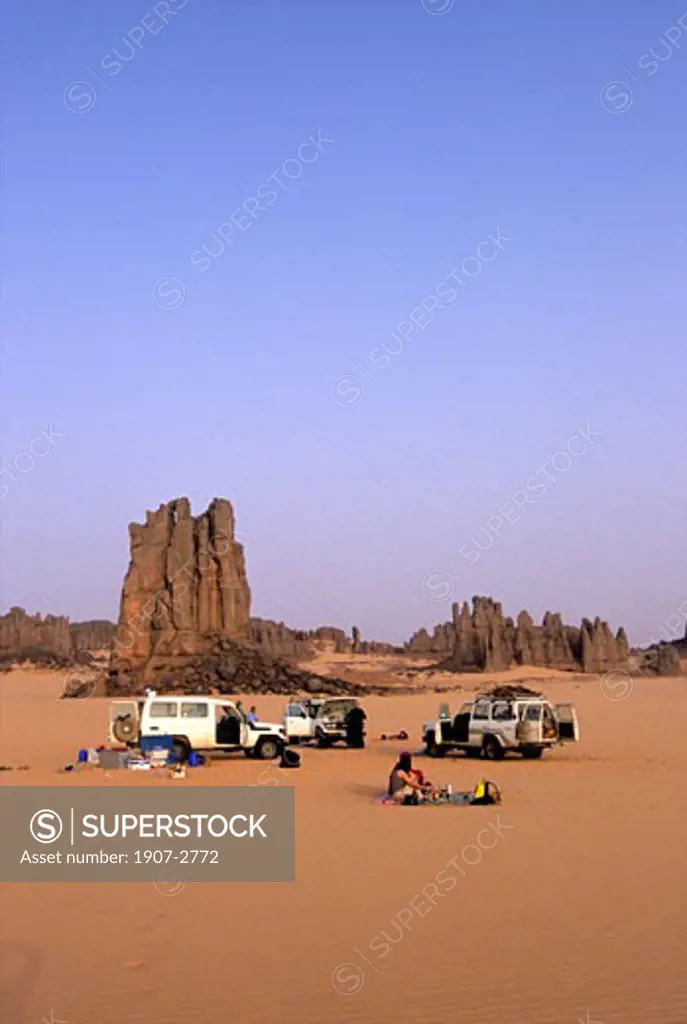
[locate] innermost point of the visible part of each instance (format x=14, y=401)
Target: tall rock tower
x=186, y=586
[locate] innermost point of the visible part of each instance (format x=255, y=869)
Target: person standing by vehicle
x=354, y=723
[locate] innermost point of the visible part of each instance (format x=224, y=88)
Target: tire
x=268, y=749
x=431, y=746
x=181, y=748
x=532, y=753
x=124, y=729
x=492, y=749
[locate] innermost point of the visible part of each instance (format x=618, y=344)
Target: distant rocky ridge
x=50, y=640
x=186, y=593
x=279, y=640
x=483, y=640
x=92, y=635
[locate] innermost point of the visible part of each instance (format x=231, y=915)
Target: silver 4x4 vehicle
x=320, y=719
x=489, y=726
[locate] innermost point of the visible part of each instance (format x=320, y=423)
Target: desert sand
x=575, y=912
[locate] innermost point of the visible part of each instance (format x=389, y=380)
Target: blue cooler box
x=150, y=743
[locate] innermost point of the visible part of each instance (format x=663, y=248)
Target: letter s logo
x=46, y=826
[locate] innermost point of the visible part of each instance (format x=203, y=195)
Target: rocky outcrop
x=51, y=641
x=439, y=644
x=186, y=585
x=667, y=661
x=662, y=659
x=19, y=631
x=600, y=650
x=484, y=640
x=185, y=614
x=93, y=635
x=228, y=667
x=279, y=641
x=379, y=647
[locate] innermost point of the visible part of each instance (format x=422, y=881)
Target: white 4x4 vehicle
x=319, y=719
x=490, y=725
x=195, y=723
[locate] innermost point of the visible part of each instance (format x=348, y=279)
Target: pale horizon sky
x=215, y=217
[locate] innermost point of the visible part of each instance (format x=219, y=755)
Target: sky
x=403, y=280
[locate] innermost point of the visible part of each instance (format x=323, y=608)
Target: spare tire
x=124, y=729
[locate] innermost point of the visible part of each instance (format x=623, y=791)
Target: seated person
x=405, y=784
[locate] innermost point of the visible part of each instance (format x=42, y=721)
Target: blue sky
x=132, y=133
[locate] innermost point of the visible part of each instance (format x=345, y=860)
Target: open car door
x=297, y=722
x=125, y=721
x=568, y=726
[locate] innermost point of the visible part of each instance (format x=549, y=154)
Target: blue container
x=149, y=743
x=195, y=760
x=82, y=756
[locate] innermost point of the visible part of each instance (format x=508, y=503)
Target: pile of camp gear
x=153, y=753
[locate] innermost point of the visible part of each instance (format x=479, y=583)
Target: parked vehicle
x=490, y=726
x=323, y=720
x=195, y=723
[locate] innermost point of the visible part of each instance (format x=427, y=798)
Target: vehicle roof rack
x=514, y=692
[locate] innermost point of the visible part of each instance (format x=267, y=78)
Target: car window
x=295, y=711
x=501, y=711
x=163, y=709
x=533, y=713
x=194, y=709
x=481, y=709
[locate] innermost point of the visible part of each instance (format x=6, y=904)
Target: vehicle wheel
x=532, y=753
x=492, y=749
x=124, y=729
x=181, y=748
x=431, y=745
x=268, y=749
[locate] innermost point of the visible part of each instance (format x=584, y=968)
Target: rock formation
x=185, y=621
x=93, y=635
x=185, y=586
x=229, y=667
x=482, y=639
x=50, y=641
x=663, y=659
x=278, y=641
x=19, y=631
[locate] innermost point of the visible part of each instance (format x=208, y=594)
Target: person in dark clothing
x=355, y=726
x=407, y=786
